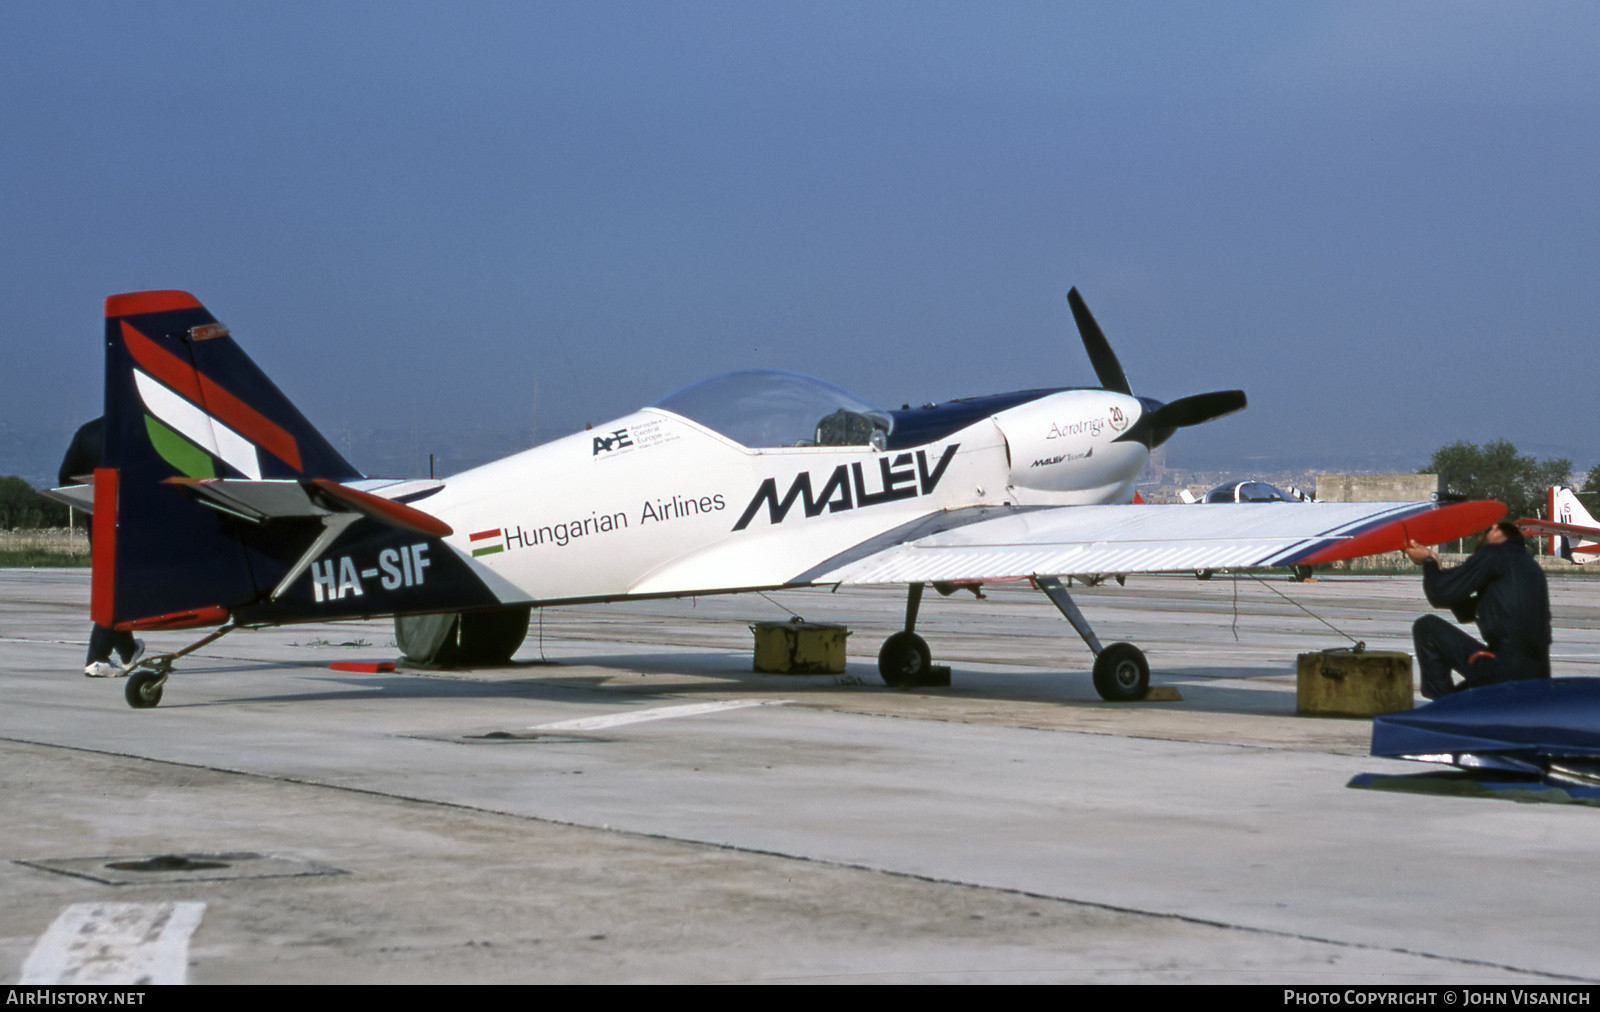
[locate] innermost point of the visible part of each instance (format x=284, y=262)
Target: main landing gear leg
x=904, y=659
x=1121, y=673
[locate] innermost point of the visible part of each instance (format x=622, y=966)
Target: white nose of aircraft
x=1074, y=441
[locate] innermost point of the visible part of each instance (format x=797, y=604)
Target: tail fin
x=182, y=400
x=217, y=499
x=1566, y=509
x=1582, y=542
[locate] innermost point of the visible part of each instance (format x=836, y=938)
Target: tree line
x=21, y=508
x=1496, y=470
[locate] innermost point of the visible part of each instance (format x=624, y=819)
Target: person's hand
x=1419, y=553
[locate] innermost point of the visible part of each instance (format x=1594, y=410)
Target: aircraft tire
x=1121, y=673
x=143, y=690
x=489, y=638
x=904, y=659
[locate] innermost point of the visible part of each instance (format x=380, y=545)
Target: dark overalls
x=1503, y=589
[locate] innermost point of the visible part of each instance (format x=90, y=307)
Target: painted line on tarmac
x=115, y=943
x=656, y=713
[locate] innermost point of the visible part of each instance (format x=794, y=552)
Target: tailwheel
x=144, y=687
x=904, y=659
x=1121, y=673
x=150, y=677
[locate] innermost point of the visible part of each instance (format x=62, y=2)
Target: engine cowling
x=1067, y=443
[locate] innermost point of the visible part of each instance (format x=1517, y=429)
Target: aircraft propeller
x=1104, y=360
x=1158, y=421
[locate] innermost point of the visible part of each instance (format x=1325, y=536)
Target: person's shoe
x=104, y=669
x=133, y=659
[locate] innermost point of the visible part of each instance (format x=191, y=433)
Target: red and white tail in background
x=1574, y=534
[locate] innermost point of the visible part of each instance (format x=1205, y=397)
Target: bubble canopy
x=773, y=407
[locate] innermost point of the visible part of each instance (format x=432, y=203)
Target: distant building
x=1378, y=487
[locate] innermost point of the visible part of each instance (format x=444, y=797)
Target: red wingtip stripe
x=103, y=558
x=201, y=389
x=134, y=303
x=1446, y=523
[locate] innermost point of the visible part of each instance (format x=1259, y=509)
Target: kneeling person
x=1502, y=588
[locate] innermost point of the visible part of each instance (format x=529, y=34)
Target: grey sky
x=1378, y=219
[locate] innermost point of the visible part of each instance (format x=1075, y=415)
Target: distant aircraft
x=219, y=504
x=1249, y=490
x=1574, y=534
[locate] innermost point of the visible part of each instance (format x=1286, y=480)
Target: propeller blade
x=1104, y=360
x=1196, y=408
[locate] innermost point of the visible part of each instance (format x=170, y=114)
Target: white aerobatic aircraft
x=219, y=505
x=1574, y=534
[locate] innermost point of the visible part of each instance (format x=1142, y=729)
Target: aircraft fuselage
x=654, y=503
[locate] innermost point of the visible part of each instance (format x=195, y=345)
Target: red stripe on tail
x=191, y=618
x=1551, y=544
x=103, y=560
x=201, y=389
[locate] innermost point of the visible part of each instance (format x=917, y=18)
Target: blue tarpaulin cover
x=1538, y=739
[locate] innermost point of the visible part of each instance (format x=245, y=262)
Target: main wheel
x=489, y=638
x=144, y=689
x=904, y=659
x=470, y=639
x=1121, y=674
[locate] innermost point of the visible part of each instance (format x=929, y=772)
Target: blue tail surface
x=195, y=433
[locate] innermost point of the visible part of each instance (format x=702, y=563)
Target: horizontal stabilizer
x=79, y=497
x=1533, y=525
x=261, y=501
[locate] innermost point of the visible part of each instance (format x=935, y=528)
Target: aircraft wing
x=997, y=543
